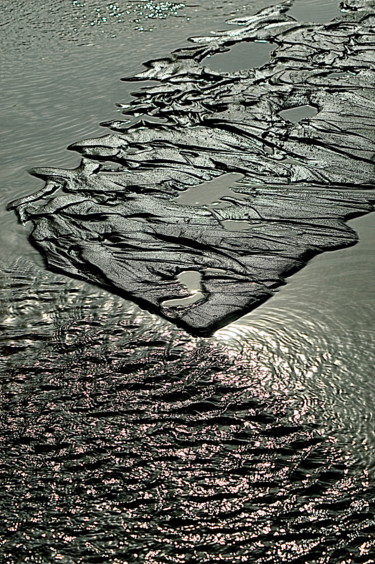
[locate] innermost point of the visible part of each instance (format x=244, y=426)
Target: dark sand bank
x=119, y=220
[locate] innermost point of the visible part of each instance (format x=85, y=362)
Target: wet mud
x=117, y=220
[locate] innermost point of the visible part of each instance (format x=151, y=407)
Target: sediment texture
x=125, y=440
x=117, y=219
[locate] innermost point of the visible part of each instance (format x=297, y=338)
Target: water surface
x=124, y=439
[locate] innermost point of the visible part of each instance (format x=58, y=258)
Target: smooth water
x=123, y=438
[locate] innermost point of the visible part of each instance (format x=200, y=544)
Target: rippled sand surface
x=124, y=439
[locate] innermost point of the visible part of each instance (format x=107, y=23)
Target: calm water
x=124, y=439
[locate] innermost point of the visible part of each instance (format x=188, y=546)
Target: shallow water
x=319, y=333
x=240, y=57
x=318, y=11
x=123, y=438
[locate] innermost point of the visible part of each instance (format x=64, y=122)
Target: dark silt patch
x=204, y=174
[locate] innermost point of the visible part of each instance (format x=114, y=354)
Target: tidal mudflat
x=132, y=428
